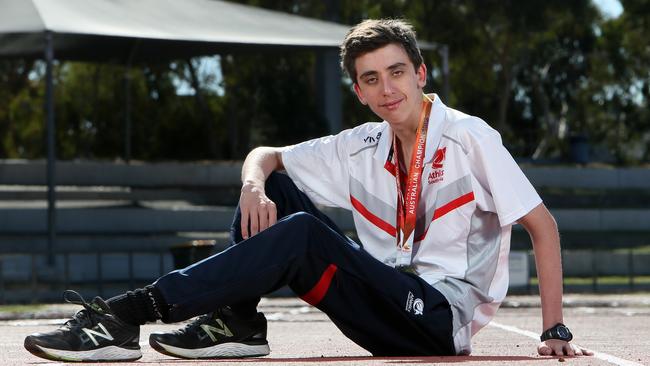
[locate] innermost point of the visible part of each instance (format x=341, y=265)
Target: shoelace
x=190, y=327
x=83, y=317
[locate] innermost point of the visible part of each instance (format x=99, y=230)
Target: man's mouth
x=392, y=105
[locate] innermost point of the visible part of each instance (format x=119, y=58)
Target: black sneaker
x=93, y=334
x=217, y=335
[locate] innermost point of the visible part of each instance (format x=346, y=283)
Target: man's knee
x=303, y=227
x=278, y=181
x=304, y=219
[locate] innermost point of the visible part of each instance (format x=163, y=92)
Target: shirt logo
x=418, y=306
x=414, y=304
x=371, y=139
x=439, y=158
x=437, y=173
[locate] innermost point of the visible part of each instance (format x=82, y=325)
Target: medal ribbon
x=407, y=201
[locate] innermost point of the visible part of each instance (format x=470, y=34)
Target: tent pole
x=127, y=114
x=328, y=74
x=127, y=101
x=51, y=149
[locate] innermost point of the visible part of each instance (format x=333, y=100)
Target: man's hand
x=256, y=209
x=557, y=347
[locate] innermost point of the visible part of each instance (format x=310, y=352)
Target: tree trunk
x=504, y=100
x=555, y=127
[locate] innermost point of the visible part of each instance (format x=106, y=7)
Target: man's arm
x=542, y=228
x=256, y=208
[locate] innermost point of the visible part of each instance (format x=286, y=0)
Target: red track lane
x=302, y=335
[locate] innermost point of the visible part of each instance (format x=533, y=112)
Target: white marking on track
x=603, y=356
x=33, y=322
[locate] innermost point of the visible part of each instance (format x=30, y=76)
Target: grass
x=637, y=250
x=602, y=280
x=21, y=308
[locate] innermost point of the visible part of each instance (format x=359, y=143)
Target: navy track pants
x=385, y=311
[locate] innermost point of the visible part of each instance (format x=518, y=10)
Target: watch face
x=563, y=332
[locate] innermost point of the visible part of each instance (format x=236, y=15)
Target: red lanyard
x=407, y=201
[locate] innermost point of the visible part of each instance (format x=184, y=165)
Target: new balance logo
x=93, y=333
x=210, y=330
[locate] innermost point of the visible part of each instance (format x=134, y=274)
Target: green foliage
x=538, y=71
x=21, y=113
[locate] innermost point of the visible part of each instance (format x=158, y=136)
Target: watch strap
x=554, y=333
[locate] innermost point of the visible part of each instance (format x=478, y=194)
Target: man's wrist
x=558, y=331
x=250, y=185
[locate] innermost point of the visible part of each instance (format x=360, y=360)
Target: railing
x=41, y=283
x=127, y=212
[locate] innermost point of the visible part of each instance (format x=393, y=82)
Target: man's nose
x=388, y=86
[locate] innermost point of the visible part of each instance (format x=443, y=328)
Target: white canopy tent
x=107, y=29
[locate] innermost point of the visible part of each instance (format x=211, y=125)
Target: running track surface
x=302, y=335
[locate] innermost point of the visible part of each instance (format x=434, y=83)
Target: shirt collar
x=437, y=125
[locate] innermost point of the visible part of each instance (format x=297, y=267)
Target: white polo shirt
x=472, y=193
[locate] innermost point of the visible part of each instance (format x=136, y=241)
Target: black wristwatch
x=558, y=331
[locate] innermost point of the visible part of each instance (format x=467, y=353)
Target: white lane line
x=603, y=356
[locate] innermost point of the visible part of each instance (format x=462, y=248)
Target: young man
x=433, y=194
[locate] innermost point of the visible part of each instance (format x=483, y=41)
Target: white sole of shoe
x=223, y=350
x=110, y=353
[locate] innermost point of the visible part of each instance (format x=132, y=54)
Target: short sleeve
x=319, y=168
x=501, y=180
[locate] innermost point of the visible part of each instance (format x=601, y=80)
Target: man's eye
x=397, y=72
x=371, y=80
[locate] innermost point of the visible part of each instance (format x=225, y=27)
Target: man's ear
x=357, y=91
x=422, y=75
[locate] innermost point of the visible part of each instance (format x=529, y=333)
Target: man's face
x=389, y=84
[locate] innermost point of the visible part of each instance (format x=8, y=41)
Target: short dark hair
x=372, y=34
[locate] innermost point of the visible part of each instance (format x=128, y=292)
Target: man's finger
x=263, y=215
x=568, y=349
x=255, y=223
x=585, y=351
x=244, y=222
x=576, y=350
x=558, y=349
x=544, y=349
x=273, y=214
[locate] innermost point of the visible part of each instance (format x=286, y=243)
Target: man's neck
x=406, y=134
x=406, y=138
x=406, y=142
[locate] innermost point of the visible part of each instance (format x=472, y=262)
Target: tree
x=21, y=113
x=538, y=71
x=517, y=64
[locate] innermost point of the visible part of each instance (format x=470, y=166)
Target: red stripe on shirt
x=445, y=209
x=390, y=167
x=317, y=293
x=390, y=229
x=452, y=205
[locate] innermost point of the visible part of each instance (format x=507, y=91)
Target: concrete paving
x=617, y=327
